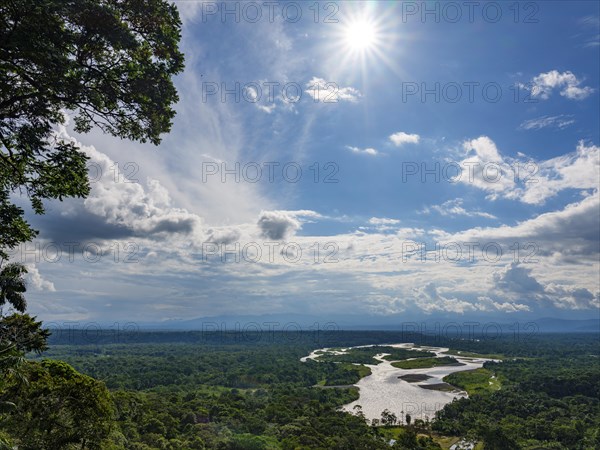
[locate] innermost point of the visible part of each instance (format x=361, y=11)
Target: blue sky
x=507, y=129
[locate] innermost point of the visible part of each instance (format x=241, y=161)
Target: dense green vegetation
x=425, y=363
x=414, y=377
x=188, y=391
x=346, y=374
x=550, y=401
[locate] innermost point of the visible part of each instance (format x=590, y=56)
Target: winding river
x=383, y=389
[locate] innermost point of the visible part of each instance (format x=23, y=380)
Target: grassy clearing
x=446, y=441
x=474, y=381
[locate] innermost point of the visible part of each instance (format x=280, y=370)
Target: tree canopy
x=58, y=406
x=107, y=63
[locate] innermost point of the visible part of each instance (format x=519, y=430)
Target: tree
x=388, y=418
x=107, y=63
x=494, y=438
x=58, y=407
x=19, y=333
x=12, y=286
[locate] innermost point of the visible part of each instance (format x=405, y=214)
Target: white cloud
x=400, y=138
x=381, y=224
x=570, y=231
x=577, y=170
x=144, y=210
x=528, y=181
x=517, y=282
x=543, y=85
x=455, y=208
x=486, y=169
x=516, y=278
x=223, y=236
x=429, y=299
x=280, y=225
x=329, y=92
x=561, y=121
x=488, y=304
x=383, y=221
x=366, y=151
x=35, y=279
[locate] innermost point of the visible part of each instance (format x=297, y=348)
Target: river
x=383, y=389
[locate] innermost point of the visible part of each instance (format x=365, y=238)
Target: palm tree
x=12, y=286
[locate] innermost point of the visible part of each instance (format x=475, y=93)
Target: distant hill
x=353, y=322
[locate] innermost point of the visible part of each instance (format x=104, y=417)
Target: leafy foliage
x=12, y=286
x=57, y=407
x=109, y=63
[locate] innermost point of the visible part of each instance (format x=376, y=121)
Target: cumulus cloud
x=528, y=181
x=400, y=138
x=485, y=303
x=572, y=230
x=223, y=236
x=485, y=169
x=429, y=300
x=577, y=170
x=516, y=281
x=365, y=151
x=280, y=225
x=35, y=279
x=329, y=92
x=126, y=203
x=567, y=83
x=145, y=210
x=570, y=297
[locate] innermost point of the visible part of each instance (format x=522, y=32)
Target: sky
x=382, y=159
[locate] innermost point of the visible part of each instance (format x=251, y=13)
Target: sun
x=363, y=43
x=360, y=35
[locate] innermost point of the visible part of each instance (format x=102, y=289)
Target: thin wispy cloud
x=455, y=208
x=560, y=122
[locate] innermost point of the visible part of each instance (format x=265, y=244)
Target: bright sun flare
x=360, y=35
